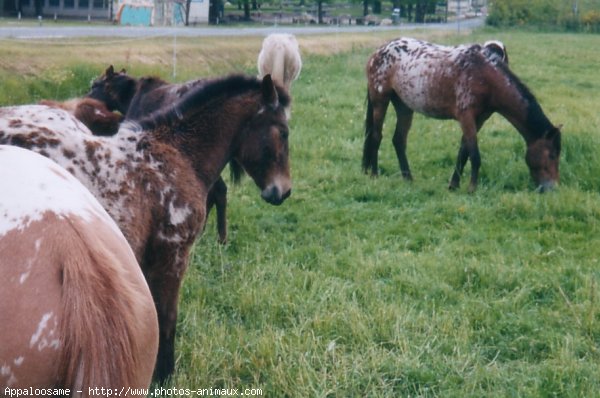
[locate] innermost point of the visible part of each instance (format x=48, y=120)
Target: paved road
x=48, y=31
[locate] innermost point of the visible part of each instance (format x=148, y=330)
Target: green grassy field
x=362, y=287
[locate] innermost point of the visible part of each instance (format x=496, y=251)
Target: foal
x=75, y=309
x=466, y=83
x=137, y=98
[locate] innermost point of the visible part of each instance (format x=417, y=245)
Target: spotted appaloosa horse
x=137, y=98
x=280, y=57
x=153, y=177
x=467, y=83
x=75, y=309
x=93, y=113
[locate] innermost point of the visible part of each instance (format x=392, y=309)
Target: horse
x=137, y=98
x=280, y=57
x=75, y=308
x=93, y=113
x=153, y=176
x=466, y=83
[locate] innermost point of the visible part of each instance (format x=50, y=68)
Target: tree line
x=569, y=15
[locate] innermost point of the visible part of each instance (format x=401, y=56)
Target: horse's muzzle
x=274, y=195
x=546, y=186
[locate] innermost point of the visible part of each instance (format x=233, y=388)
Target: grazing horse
x=466, y=83
x=152, y=177
x=75, y=309
x=93, y=113
x=280, y=57
x=137, y=98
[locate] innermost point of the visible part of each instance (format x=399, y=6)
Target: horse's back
x=79, y=308
x=428, y=78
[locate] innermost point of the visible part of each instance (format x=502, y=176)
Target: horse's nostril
x=546, y=186
x=287, y=194
x=274, y=196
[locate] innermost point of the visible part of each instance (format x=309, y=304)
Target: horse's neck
x=522, y=110
x=210, y=145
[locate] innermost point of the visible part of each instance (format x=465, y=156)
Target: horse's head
x=114, y=89
x=263, y=151
x=542, y=157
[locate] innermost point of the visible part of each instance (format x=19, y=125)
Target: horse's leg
x=404, y=116
x=463, y=154
x=468, y=150
x=376, y=109
x=217, y=196
x=164, y=279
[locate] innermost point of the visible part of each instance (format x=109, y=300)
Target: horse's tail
x=278, y=62
x=108, y=329
x=366, y=161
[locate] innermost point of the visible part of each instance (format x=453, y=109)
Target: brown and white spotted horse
x=137, y=98
x=467, y=83
x=75, y=309
x=153, y=177
x=93, y=113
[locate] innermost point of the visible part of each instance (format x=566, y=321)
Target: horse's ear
x=123, y=71
x=110, y=71
x=554, y=135
x=269, y=92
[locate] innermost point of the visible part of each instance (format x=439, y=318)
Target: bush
x=550, y=14
x=591, y=21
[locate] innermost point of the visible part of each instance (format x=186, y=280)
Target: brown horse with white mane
x=75, y=309
x=137, y=98
x=153, y=177
x=467, y=83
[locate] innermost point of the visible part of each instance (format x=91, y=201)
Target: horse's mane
x=535, y=114
x=198, y=96
x=231, y=86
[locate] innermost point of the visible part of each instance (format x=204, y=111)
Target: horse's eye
x=284, y=133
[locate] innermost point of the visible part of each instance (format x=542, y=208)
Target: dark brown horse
x=152, y=177
x=467, y=83
x=93, y=113
x=75, y=309
x=137, y=98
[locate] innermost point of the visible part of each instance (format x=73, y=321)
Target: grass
x=362, y=287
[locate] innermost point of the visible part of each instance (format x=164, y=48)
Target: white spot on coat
x=40, y=329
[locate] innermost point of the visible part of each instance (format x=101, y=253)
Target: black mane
x=535, y=114
x=229, y=86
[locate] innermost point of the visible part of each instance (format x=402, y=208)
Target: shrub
x=591, y=21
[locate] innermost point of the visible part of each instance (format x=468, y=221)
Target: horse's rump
x=280, y=57
x=90, y=318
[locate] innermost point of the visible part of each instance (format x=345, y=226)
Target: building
x=466, y=6
x=125, y=12
x=161, y=12
x=90, y=9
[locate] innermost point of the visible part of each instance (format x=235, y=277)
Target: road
x=47, y=31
